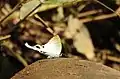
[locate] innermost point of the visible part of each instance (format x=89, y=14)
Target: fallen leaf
x=83, y=43
x=81, y=37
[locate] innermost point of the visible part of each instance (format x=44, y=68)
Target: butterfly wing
x=53, y=47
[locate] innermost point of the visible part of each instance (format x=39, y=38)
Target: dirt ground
x=67, y=68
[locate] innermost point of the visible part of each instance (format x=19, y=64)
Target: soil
x=67, y=68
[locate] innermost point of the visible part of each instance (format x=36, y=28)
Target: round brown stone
x=67, y=68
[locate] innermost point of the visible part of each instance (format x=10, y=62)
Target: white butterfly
x=51, y=49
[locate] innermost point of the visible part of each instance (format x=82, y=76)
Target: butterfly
x=52, y=49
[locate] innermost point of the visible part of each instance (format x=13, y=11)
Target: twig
x=16, y=53
x=98, y=18
x=89, y=13
x=21, y=59
x=46, y=26
x=23, y=19
x=115, y=59
x=5, y=37
x=32, y=20
x=107, y=7
x=14, y=9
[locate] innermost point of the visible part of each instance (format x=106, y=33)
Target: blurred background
x=89, y=30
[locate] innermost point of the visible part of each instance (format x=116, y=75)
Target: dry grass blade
x=4, y=37
x=107, y=7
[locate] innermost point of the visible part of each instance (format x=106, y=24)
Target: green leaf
x=59, y=1
x=28, y=7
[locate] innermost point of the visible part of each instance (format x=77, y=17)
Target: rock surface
x=67, y=68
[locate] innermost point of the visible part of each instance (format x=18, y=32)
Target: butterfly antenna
x=27, y=45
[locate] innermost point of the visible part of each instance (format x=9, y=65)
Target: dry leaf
x=81, y=38
x=83, y=43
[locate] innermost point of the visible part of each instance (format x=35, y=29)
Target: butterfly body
x=51, y=49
